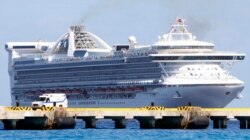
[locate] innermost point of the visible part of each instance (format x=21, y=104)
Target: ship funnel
x=77, y=28
x=81, y=38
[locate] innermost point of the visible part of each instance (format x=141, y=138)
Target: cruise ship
x=176, y=70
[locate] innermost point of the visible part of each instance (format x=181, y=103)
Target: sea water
x=105, y=131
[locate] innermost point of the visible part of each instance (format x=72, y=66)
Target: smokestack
x=77, y=28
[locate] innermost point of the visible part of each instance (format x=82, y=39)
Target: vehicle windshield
x=42, y=99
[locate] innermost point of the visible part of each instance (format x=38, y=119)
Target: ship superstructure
x=177, y=70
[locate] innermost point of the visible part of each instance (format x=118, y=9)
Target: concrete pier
x=149, y=117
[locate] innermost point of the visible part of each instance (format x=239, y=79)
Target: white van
x=53, y=99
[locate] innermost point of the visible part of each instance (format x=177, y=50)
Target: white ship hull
x=204, y=96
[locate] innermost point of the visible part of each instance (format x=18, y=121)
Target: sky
x=222, y=22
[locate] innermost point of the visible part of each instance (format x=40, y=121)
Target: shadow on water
x=134, y=124
x=105, y=130
x=108, y=124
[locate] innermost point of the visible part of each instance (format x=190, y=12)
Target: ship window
x=42, y=99
x=79, y=53
x=62, y=46
x=44, y=48
x=240, y=57
x=23, y=47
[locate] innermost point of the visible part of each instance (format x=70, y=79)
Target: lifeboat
x=58, y=90
x=129, y=89
x=110, y=90
x=30, y=93
x=47, y=91
x=119, y=90
x=66, y=91
x=42, y=91
x=100, y=90
x=138, y=88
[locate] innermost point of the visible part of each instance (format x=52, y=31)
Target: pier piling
x=219, y=122
x=90, y=122
x=170, y=122
x=146, y=122
x=244, y=121
x=120, y=122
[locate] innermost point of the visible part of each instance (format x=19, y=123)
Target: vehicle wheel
x=43, y=106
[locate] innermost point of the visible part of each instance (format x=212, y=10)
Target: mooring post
x=17, y=103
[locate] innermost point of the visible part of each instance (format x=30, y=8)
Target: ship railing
x=203, y=77
x=44, y=59
x=56, y=60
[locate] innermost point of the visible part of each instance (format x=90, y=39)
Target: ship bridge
x=179, y=39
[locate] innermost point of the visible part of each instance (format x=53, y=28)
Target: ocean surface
x=106, y=131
